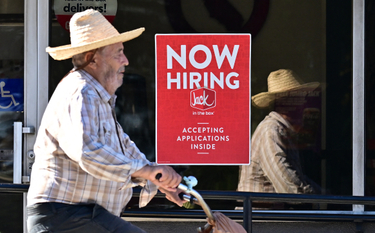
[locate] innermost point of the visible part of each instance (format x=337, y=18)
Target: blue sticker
x=11, y=95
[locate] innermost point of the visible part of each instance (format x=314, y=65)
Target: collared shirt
x=275, y=164
x=82, y=153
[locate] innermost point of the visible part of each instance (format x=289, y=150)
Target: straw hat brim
x=263, y=99
x=68, y=51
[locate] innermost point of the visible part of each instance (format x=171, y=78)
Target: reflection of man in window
x=275, y=163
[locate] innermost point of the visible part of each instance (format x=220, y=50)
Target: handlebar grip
x=181, y=196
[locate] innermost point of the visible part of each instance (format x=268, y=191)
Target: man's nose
x=125, y=60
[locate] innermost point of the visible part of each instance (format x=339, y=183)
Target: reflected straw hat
x=280, y=81
x=90, y=30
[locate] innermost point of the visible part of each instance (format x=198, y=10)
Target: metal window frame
x=36, y=29
x=358, y=101
x=36, y=63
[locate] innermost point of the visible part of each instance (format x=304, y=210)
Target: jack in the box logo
x=203, y=98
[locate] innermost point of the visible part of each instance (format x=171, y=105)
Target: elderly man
x=85, y=164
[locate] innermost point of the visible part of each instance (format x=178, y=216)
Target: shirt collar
x=281, y=119
x=102, y=92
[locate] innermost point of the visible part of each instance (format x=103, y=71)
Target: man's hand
x=173, y=196
x=169, y=179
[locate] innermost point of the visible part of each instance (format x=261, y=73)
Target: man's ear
x=91, y=59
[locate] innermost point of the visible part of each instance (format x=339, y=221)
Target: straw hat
x=90, y=30
x=280, y=81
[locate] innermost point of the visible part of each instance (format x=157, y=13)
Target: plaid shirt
x=82, y=153
x=275, y=164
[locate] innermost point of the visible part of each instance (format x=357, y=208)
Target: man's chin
x=120, y=82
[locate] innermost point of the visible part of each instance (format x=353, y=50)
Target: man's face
x=111, y=66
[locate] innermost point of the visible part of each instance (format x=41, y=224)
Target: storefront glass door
x=11, y=106
x=11, y=82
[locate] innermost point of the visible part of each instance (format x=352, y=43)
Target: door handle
x=18, y=130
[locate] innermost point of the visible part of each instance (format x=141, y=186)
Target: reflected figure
x=275, y=163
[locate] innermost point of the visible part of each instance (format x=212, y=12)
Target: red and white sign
x=65, y=9
x=203, y=99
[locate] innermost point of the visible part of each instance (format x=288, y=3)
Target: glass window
x=11, y=105
x=312, y=38
x=11, y=81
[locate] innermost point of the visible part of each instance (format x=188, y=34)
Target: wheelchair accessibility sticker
x=11, y=95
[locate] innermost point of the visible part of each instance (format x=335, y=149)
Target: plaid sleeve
x=278, y=163
x=90, y=138
x=147, y=193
